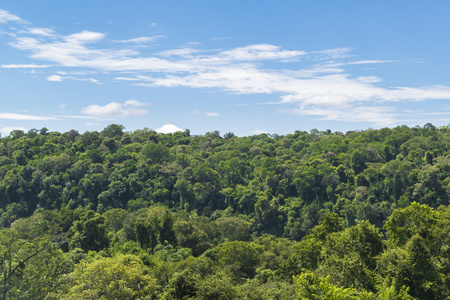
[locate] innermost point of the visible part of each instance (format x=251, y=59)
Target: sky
x=246, y=67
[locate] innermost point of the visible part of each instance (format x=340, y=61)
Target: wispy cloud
x=41, y=31
x=324, y=88
x=335, y=53
x=23, y=117
x=59, y=78
x=24, y=66
x=5, y=17
x=77, y=117
x=141, y=40
x=114, y=109
x=75, y=72
x=182, y=52
x=379, y=116
x=212, y=114
x=73, y=51
x=84, y=36
x=364, y=62
x=259, y=52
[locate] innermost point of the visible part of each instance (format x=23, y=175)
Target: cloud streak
x=130, y=108
x=380, y=116
x=141, y=40
x=24, y=66
x=22, y=117
x=59, y=78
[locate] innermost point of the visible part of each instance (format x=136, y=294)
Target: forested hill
x=282, y=184
x=308, y=215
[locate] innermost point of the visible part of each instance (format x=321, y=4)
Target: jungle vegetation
x=143, y=215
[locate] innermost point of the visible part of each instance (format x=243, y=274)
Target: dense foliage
x=360, y=215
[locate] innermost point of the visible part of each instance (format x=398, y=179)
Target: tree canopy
x=356, y=215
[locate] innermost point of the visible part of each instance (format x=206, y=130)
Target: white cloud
x=260, y=52
x=61, y=78
x=71, y=51
x=76, y=117
x=84, y=37
x=41, y=31
x=88, y=79
x=128, y=79
x=114, y=109
x=212, y=114
x=76, y=73
x=5, y=17
x=13, y=116
x=135, y=103
x=240, y=80
x=24, y=66
x=379, y=116
x=363, y=62
x=141, y=40
x=168, y=128
x=336, y=53
x=369, y=79
x=55, y=78
x=183, y=52
x=260, y=131
x=323, y=89
x=5, y=131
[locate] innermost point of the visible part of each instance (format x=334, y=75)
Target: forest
x=145, y=215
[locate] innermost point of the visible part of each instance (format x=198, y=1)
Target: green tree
x=29, y=259
x=182, y=285
x=233, y=228
x=350, y=256
x=313, y=287
x=89, y=232
x=113, y=130
x=157, y=153
x=239, y=257
x=216, y=288
x=414, y=219
x=121, y=277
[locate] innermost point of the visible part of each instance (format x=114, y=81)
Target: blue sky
x=246, y=67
